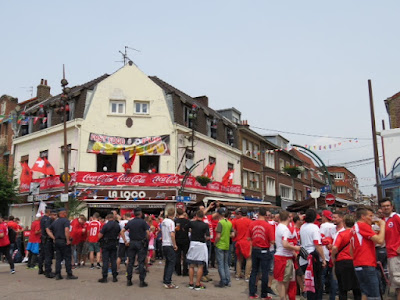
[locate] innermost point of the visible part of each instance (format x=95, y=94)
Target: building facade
x=345, y=183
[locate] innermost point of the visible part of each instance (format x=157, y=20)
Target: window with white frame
x=285, y=191
x=257, y=181
x=251, y=180
x=341, y=189
x=270, y=160
x=250, y=148
x=256, y=149
x=281, y=164
x=305, y=174
x=117, y=107
x=208, y=127
x=245, y=179
x=299, y=195
x=270, y=186
x=244, y=146
x=338, y=175
x=142, y=107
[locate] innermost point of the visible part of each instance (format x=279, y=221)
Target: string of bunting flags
x=311, y=147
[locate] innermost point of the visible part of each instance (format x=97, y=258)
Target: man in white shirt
x=122, y=250
x=311, y=241
x=169, y=248
x=284, y=272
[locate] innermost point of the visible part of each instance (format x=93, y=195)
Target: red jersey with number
x=261, y=234
x=392, y=235
x=363, y=247
x=4, y=241
x=342, y=243
x=33, y=237
x=93, y=231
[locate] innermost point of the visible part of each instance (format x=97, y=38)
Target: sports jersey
x=93, y=231
x=309, y=236
x=363, y=247
x=241, y=227
x=328, y=232
x=261, y=234
x=33, y=237
x=282, y=233
x=392, y=235
x=122, y=224
x=4, y=241
x=342, y=241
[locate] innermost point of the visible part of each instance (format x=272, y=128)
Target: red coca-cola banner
x=133, y=179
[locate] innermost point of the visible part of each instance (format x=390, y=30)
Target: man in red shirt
x=34, y=242
x=363, y=243
x=5, y=244
x=392, y=243
x=78, y=235
x=93, y=239
x=341, y=258
x=262, y=235
x=243, y=245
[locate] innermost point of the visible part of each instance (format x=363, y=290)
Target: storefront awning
x=347, y=202
x=236, y=200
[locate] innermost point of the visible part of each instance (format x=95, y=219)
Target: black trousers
x=6, y=251
x=182, y=250
x=63, y=252
x=110, y=257
x=48, y=253
x=136, y=248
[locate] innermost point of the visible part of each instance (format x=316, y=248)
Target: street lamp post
x=64, y=98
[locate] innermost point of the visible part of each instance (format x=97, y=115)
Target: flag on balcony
x=128, y=161
x=49, y=168
x=227, y=180
x=43, y=166
x=26, y=174
x=208, y=170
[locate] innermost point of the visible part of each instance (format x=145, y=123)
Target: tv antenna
x=28, y=89
x=125, y=54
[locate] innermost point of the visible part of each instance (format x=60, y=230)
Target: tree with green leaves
x=75, y=206
x=8, y=190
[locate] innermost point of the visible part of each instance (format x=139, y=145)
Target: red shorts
x=283, y=268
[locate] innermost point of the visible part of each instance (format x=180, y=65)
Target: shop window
x=149, y=164
x=107, y=162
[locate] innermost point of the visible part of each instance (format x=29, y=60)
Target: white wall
x=391, y=139
x=129, y=84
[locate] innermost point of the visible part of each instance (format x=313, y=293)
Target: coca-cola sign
x=132, y=179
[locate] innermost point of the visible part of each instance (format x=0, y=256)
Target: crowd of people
x=307, y=254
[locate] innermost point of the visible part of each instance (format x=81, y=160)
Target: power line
x=312, y=135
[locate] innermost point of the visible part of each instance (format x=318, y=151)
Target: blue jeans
x=327, y=276
x=260, y=258
x=369, y=282
x=223, y=266
x=170, y=259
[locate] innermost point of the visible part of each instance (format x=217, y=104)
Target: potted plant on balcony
x=293, y=171
x=203, y=180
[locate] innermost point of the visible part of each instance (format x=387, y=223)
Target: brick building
x=345, y=183
x=393, y=109
x=9, y=108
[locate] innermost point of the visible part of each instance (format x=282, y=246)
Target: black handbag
x=303, y=253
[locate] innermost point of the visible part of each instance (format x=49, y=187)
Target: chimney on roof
x=203, y=100
x=245, y=123
x=43, y=90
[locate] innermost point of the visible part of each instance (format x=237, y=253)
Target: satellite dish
x=189, y=163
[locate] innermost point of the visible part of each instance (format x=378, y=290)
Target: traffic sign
x=326, y=189
x=330, y=199
x=182, y=198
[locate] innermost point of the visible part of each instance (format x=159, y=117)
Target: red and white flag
x=227, y=180
x=208, y=170
x=39, y=166
x=49, y=168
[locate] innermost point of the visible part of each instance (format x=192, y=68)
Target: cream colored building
x=125, y=104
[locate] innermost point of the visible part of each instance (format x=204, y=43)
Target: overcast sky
x=294, y=66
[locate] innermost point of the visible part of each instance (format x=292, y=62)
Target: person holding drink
x=363, y=243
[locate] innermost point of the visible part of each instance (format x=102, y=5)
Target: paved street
x=26, y=284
